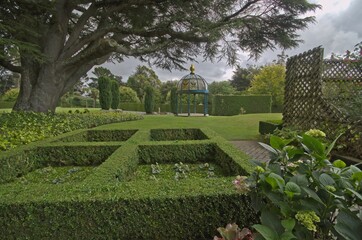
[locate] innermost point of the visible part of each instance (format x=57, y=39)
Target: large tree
x=222, y=88
x=141, y=79
x=56, y=42
x=242, y=77
x=270, y=80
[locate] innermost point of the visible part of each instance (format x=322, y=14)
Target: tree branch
x=10, y=66
x=246, y=6
x=79, y=26
x=76, y=72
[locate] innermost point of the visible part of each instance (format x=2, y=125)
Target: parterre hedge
x=231, y=105
x=177, y=134
x=100, y=136
x=111, y=203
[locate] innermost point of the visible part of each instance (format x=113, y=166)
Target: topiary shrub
x=128, y=95
x=174, y=100
x=115, y=95
x=105, y=94
x=149, y=99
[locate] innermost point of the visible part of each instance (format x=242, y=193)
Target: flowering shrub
x=301, y=194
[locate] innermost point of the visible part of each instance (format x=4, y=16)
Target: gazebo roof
x=192, y=83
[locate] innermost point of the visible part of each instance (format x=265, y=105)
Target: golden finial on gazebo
x=192, y=68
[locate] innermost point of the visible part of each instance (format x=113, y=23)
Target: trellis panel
x=324, y=94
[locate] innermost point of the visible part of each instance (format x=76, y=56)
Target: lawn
x=237, y=127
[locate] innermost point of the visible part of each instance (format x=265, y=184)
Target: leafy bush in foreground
x=301, y=194
x=19, y=128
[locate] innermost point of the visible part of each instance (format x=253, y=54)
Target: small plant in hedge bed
x=56, y=175
x=233, y=232
x=178, y=171
x=301, y=194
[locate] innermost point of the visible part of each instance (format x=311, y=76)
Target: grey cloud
x=335, y=32
x=351, y=19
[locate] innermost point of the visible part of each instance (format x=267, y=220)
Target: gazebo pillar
x=206, y=102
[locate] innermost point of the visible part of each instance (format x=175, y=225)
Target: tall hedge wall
x=163, y=107
x=231, y=105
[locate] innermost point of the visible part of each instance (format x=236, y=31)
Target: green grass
x=238, y=127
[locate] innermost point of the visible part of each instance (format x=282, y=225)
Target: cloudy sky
x=338, y=28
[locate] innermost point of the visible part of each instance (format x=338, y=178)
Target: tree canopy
x=242, y=77
x=223, y=88
x=142, y=78
x=270, y=80
x=53, y=43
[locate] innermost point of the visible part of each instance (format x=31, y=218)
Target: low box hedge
x=177, y=134
x=100, y=136
x=111, y=204
x=266, y=127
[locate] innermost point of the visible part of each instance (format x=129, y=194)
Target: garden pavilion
x=192, y=85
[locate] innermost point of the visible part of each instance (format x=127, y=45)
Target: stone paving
x=253, y=149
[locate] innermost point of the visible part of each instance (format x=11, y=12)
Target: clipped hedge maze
x=177, y=134
x=100, y=136
x=110, y=201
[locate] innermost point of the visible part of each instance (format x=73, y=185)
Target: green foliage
x=139, y=107
x=57, y=175
x=231, y=105
x=115, y=95
x=242, y=77
x=128, y=95
x=221, y=88
x=177, y=171
x=173, y=101
x=166, y=88
x=100, y=136
x=141, y=79
x=177, y=134
x=149, y=99
x=268, y=127
x=113, y=203
x=11, y=95
x=4, y=104
x=218, y=31
x=304, y=195
x=19, y=128
x=270, y=80
x=105, y=93
x=78, y=101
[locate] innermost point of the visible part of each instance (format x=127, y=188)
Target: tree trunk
x=39, y=93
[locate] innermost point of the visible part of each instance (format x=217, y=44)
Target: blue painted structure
x=192, y=84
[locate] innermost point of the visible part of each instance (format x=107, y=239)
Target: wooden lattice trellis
x=322, y=94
